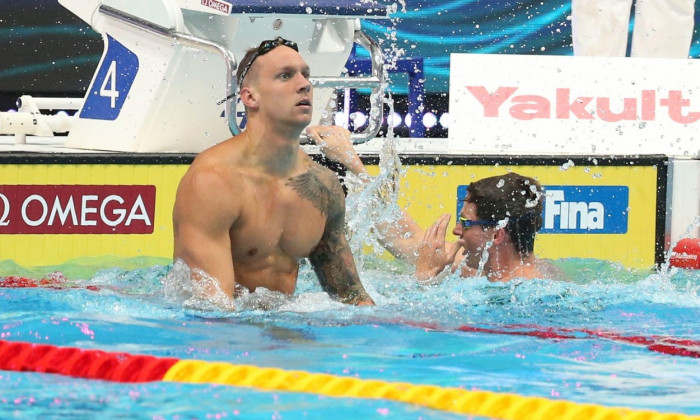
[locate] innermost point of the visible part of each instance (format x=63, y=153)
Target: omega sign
x=221, y=6
x=77, y=209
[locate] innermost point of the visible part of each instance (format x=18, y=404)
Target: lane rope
x=124, y=367
x=657, y=343
x=52, y=281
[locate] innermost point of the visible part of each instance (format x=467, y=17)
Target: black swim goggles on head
x=264, y=48
x=467, y=223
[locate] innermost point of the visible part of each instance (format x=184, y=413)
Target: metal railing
x=189, y=41
x=375, y=81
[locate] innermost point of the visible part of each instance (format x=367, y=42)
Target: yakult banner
x=528, y=104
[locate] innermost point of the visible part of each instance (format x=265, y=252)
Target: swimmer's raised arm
x=335, y=143
x=403, y=237
x=202, y=218
x=332, y=258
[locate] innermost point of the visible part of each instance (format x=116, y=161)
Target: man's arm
x=403, y=237
x=202, y=217
x=332, y=258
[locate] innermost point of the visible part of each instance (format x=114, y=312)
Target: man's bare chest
x=277, y=223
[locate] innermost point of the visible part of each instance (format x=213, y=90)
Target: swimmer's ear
x=499, y=236
x=249, y=97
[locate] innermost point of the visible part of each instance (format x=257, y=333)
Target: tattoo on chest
x=310, y=187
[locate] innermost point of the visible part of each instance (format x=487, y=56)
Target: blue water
x=132, y=313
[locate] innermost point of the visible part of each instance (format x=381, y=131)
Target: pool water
x=531, y=338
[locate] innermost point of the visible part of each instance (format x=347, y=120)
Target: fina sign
x=77, y=209
x=532, y=104
x=570, y=209
x=585, y=209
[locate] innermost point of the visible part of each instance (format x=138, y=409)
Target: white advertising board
x=528, y=104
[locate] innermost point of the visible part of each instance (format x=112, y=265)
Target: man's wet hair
x=512, y=197
x=247, y=58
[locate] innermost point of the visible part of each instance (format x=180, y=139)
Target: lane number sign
x=111, y=86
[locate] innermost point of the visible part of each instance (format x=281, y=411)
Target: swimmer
x=251, y=207
x=496, y=229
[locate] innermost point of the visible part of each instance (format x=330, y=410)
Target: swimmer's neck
x=502, y=270
x=267, y=133
x=268, y=149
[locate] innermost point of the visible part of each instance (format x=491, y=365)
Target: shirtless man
x=500, y=216
x=249, y=208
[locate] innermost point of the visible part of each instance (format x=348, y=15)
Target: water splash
x=482, y=261
x=194, y=289
x=374, y=199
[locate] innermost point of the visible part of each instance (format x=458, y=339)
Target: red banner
x=77, y=209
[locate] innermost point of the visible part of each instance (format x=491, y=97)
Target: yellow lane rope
x=456, y=400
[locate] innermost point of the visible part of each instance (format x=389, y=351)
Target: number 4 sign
x=114, y=78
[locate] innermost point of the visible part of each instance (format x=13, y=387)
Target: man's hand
x=434, y=253
x=335, y=143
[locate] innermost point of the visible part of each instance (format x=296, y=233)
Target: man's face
x=283, y=87
x=473, y=239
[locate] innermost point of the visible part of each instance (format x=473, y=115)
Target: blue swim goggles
x=467, y=223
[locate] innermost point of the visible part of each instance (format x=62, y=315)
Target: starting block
x=168, y=66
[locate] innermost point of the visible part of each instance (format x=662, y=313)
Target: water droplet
x=565, y=167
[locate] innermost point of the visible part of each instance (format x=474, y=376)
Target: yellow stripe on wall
x=428, y=191
x=51, y=249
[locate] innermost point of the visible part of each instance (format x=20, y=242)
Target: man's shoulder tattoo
x=318, y=187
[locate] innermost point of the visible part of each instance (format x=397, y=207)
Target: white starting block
x=168, y=65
